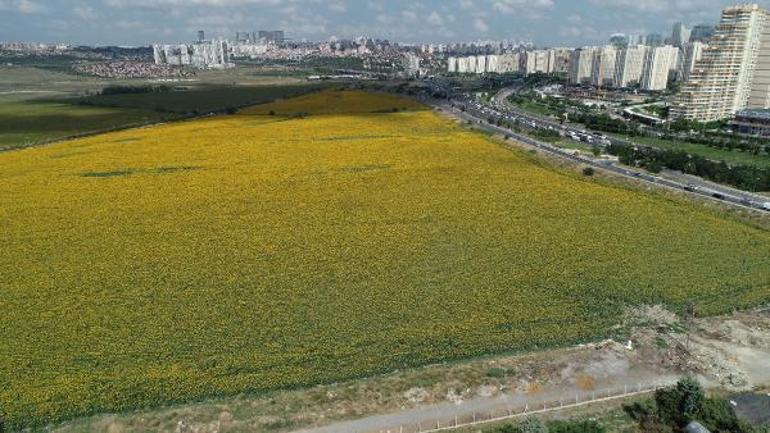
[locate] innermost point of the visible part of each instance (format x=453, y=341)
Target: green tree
x=532, y=425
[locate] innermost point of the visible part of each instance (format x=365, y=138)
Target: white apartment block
x=451, y=64
x=508, y=63
x=603, y=66
x=759, y=96
x=629, y=66
x=733, y=71
x=561, y=59
x=581, y=65
x=481, y=64
x=538, y=61
x=658, y=64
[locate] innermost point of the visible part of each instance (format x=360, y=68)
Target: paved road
x=479, y=114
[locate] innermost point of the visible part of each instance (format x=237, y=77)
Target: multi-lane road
x=499, y=109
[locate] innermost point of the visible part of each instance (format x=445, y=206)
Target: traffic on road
x=497, y=114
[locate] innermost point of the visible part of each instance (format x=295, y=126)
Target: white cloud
x=435, y=19
x=85, y=13
x=22, y=6
x=480, y=25
x=515, y=6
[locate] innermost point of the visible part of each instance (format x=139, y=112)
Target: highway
x=500, y=109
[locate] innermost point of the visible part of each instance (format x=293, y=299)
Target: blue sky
x=545, y=22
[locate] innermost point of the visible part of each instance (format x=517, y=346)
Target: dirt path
x=732, y=354
x=505, y=406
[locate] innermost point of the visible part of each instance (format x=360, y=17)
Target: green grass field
x=247, y=253
x=202, y=98
x=28, y=121
x=38, y=106
x=733, y=157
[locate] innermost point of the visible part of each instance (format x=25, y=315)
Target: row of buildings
x=648, y=67
x=554, y=60
x=202, y=54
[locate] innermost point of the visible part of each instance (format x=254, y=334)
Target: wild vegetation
x=335, y=235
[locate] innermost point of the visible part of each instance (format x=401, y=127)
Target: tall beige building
x=734, y=69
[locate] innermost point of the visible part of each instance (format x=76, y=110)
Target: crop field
x=37, y=106
x=331, y=236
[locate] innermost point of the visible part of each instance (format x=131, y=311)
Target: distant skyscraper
x=681, y=35
x=201, y=36
x=654, y=40
x=701, y=33
x=691, y=53
x=731, y=73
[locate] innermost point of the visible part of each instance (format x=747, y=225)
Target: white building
x=493, y=63
x=451, y=64
x=603, y=66
x=481, y=64
x=581, y=65
x=538, y=61
x=733, y=71
x=629, y=66
x=507, y=63
x=561, y=60
x=658, y=64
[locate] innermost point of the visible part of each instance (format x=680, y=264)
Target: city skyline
x=544, y=22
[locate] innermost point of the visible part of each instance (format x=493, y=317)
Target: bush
x=128, y=90
x=585, y=426
x=675, y=407
x=588, y=171
x=532, y=425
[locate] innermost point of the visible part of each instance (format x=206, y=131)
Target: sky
x=544, y=22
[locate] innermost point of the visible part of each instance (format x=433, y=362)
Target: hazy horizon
x=544, y=22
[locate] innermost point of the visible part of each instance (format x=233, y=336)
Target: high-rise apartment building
x=603, y=66
x=629, y=66
x=732, y=73
x=538, y=61
x=581, y=65
x=659, y=62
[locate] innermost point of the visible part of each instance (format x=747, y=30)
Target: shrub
x=588, y=171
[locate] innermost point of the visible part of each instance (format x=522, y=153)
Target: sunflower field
x=331, y=236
